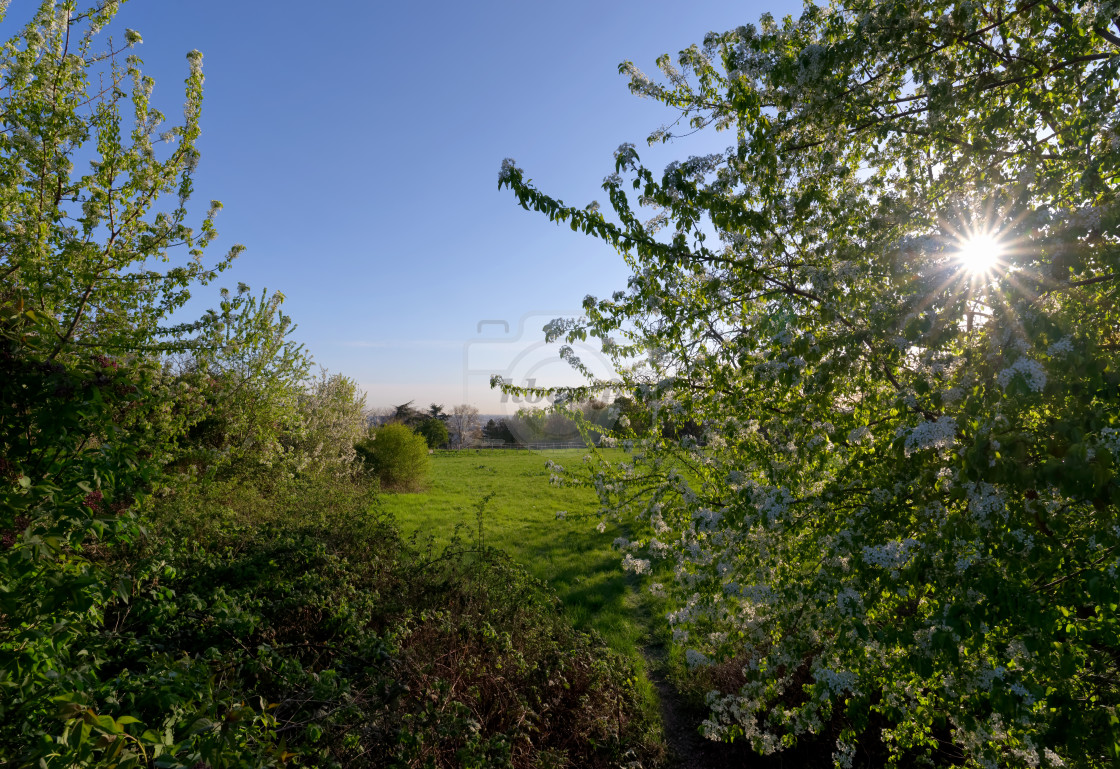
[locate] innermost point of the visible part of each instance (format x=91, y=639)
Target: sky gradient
x=356, y=148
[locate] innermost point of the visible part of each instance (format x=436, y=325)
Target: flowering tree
x=333, y=418
x=76, y=245
x=463, y=424
x=899, y=527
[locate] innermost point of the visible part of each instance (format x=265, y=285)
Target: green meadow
x=519, y=516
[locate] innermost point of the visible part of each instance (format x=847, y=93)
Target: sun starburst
x=981, y=252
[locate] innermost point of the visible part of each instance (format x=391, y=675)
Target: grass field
x=520, y=518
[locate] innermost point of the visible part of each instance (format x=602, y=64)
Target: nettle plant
x=892, y=308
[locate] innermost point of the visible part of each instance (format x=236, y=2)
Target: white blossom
x=844, y=755
x=891, y=555
x=695, y=659
x=636, y=565
x=1030, y=370
x=849, y=601
x=937, y=434
x=1052, y=758
x=509, y=165
x=984, y=500
x=1110, y=439
x=859, y=435
x=1061, y=347
x=837, y=682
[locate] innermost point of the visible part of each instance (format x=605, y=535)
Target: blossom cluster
x=1031, y=372
x=935, y=434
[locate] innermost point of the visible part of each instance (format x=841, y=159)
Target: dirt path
x=681, y=736
x=687, y=748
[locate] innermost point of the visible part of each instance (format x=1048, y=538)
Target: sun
x=980, y=253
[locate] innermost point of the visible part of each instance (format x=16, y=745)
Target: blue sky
x=356, y=148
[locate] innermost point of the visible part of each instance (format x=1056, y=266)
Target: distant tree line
x=585, y=420
x=559, y=423
x=440, y=429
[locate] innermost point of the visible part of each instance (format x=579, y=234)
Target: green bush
x=361, y=649
x=397, y=456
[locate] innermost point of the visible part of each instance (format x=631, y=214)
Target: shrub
x=362, y=650
x=397, y=456
x=253, y=379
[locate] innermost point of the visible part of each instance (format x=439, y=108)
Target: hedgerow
x=193, y=573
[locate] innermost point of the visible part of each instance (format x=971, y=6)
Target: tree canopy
x=899, y=528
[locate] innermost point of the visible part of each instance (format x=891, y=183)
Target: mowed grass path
x=520, y=518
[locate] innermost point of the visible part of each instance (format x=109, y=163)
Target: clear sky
x=356, y=147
